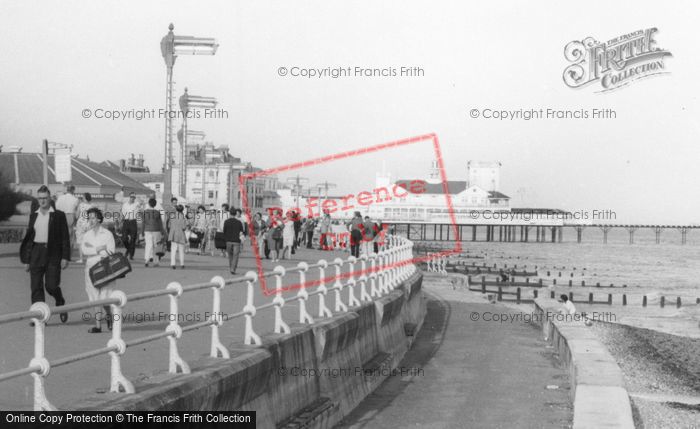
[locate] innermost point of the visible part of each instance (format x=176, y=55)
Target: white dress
x=96, y=238
x=288, y=234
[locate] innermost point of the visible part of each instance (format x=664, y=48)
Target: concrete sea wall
x=599, y=394
x=312, y=377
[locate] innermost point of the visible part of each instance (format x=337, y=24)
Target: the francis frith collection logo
x=615, y=63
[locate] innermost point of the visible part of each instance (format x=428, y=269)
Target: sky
x=61, y=58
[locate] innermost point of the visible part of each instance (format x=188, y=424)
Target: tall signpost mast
x=171, y=46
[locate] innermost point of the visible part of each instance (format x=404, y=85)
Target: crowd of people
x=57, y=225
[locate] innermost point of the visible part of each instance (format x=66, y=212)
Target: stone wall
x=313, y=376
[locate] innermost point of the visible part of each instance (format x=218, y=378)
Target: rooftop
x=27, y=168
x=453, y=187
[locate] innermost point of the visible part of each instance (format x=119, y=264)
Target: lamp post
x=296, y=183
x=188, y=102
x=325, y=186
x=171, y=46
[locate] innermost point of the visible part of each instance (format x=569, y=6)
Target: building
x=484, y=174
x=25, y=172
x=213, y=178
x=130, y=165
x=153, y=181
x=424, y=199
x=136, y=169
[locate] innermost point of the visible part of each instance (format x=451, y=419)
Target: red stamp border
x=322, y=160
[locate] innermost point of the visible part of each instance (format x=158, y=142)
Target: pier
x=530, y=233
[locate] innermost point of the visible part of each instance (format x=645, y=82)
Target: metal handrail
x=391, y=266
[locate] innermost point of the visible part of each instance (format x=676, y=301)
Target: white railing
x=386, y=270
x=437, y=263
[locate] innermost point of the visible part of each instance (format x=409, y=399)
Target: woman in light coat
x=288, y=236
x=97, y=243
x=82, y=224
x=177, y=236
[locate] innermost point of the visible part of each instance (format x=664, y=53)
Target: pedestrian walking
x=130, y=231
x=82, y=224
x=274, y=230
x=152, y=232
x=45, y=250
x=260, y=232
x=355, y=234
x=288, y=236
x=233, y=233
x=97, y=243
x=368, y=231
x=68, y=204
x=200, y=227
x=177, y=236
x=325, y=231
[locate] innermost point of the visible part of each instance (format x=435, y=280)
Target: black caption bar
x=118, y=419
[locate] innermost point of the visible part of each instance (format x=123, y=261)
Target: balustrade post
x=373, y=291
x=323, y=310
x=41, y=403
x=383, y=272
x=250, y=336
x=352, y=300
x=338, y=286
x=176, y=331
x=364, y=296
x=216, y=316
x=409, y=256
x=303, y=294
x=117, y=378
x=280, y=326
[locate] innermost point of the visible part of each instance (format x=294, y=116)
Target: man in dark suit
x=45, y=250
x=233, y=232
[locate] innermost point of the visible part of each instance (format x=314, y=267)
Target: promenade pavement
x=475, y=373
x=69, y=383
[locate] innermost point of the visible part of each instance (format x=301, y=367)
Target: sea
x=668, y=269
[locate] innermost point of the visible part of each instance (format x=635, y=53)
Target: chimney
x=122, y=165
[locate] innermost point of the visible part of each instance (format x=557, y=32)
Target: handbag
x=277, y=233
x=220, y=241
x=110, y=268
x=161, y=248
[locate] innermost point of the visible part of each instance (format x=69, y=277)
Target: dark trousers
x=309, y=239
x=267, y=249
x=233, y=250
x=45, y=272
x=130, y=234
x=355, y=241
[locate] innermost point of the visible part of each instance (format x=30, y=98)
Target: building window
x=197, y=174
x=157, y=186
x=211, y=194
x=211, y=174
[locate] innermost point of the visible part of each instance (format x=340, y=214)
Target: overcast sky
x=62, y=57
